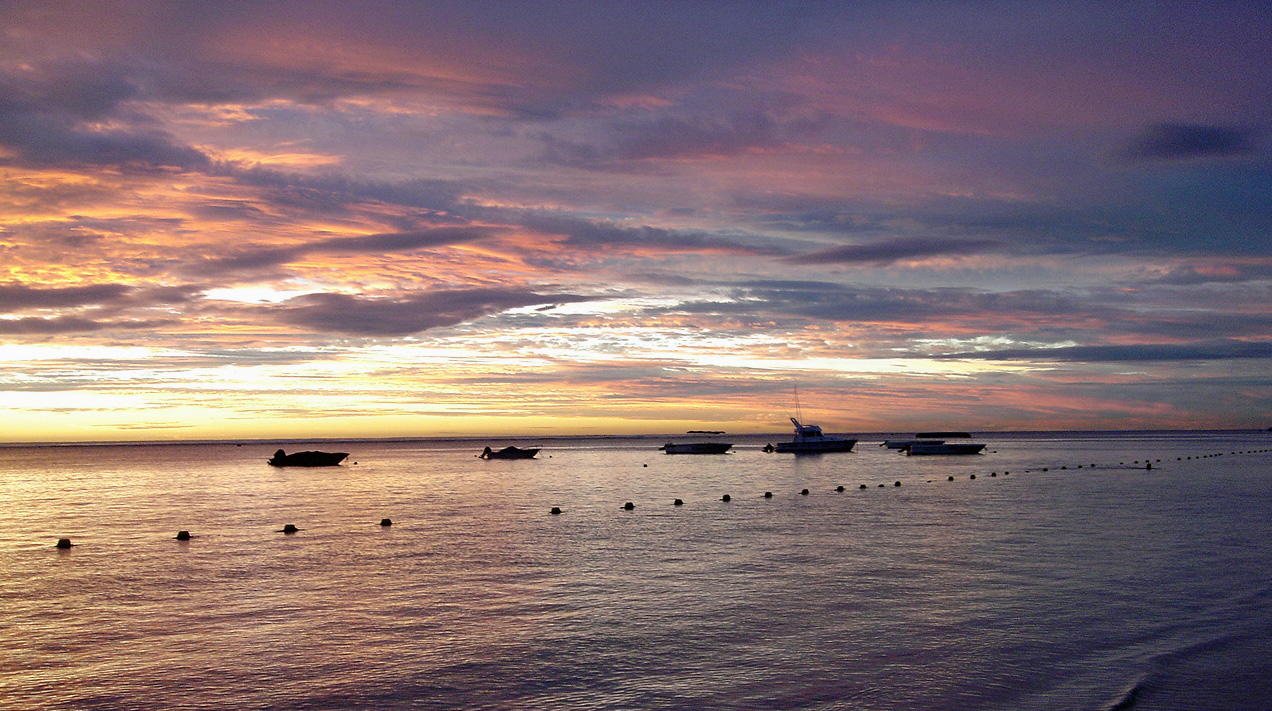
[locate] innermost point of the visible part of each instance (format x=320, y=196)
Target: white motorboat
x=809, y=439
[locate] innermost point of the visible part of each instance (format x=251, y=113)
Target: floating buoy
x=803, y=492
x=645, y=466
x=726, y=497
x=63, y=543
x=677, y=502
x=862, y=486
x=629, y=506
x=972, y=476
x=183, y=535
x=896, y=483
x=556, y=510
x=949, y=479
x=289, y=528
x=768, y=494
x=1149, y=466
x=386, y=522
x=839, y=488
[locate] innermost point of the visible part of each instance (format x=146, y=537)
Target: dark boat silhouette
x=508, y=453
x=307, y=459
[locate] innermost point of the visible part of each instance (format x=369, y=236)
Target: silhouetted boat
x=307, y=459
x=810, y=440
x=905, y=443
x=508, y=453
x=927, y=444
x=696, y=448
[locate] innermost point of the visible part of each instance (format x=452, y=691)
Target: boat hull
x=509, y=453
x=307, y=459
x=697, y=448
x=907, y=443
x=947, y=448
x=817, y=447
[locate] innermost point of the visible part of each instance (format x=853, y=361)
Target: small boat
x=508, y=453
x=905, y=443
x=696, y=448
x=809, y=439
x=307, y=459
x=927, y=443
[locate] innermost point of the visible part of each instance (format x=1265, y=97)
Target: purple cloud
x=1226, y=349
x=405, y=315
x=1181, y=141
x=891, y=251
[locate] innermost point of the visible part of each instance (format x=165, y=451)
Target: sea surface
x=1054, y=571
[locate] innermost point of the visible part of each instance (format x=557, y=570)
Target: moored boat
x=809, y=439
x=508, y=453
x=927, y=444
x=696, y=448
x=905, y=443
x=307, y=459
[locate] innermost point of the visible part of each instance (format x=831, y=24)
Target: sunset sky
x=364, y=219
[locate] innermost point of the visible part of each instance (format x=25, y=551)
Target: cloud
x=1225, y=349
x=1181, y=141
x=367, y=244
x=673, y=137
x=57, y=115
x=891, y=251
x=405, y=315
x=592, y=235
x=17, y=297
x=71, y=324
x=1219, y=273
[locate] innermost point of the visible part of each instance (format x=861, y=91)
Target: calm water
x=1074, y=588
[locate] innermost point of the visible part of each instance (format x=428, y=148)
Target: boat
x=508, y=453
x=935, y=443
x=905, y=443
x=809, y=439
x=307, y=459
x=696, y=448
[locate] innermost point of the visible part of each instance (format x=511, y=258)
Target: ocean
x=1053, y=571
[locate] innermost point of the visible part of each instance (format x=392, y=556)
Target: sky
x=528, y=219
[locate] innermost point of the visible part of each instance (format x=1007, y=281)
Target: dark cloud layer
x=1199, y=350
x=408, y=314
x=386, y=242
x=19, y=297
x=32, y=326
x=886, y=252
x=1180, y=141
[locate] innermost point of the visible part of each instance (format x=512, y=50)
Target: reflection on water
x=1070, y=588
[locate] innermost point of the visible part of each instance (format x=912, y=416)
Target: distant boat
x=905, y=443
x=928, y=444
x=307, y=459
x=508, y=453
x=696, y=448
x=809, y=439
